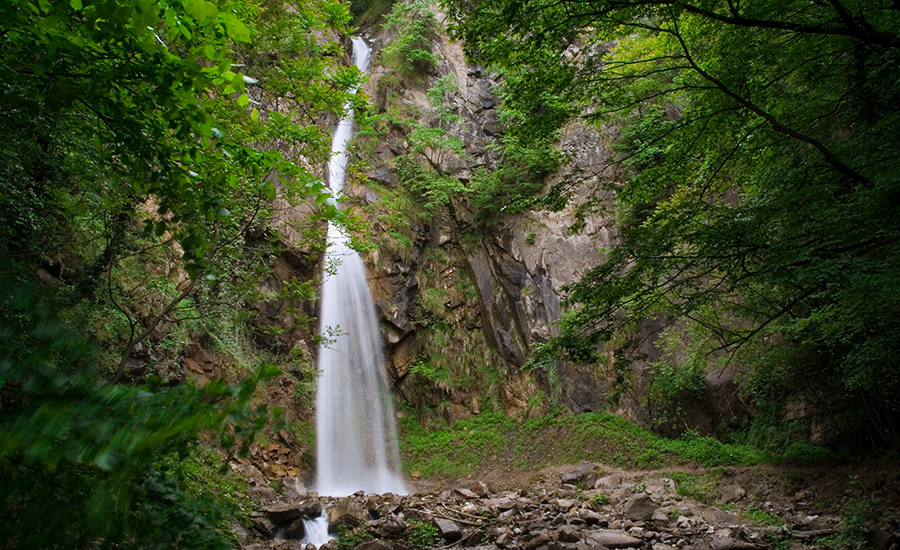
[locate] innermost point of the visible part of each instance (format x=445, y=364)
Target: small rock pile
x=578, y=510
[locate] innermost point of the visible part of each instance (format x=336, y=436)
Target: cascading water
x=357, y=441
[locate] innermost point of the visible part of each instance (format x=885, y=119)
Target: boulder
x=608, y=483
x=573, y=477
x=295, y=530
x=539, y=539
x=448, y=529
x=733, y=493
x=283, y=512
x=640, y=508
x=569, y=533
x=612, y=538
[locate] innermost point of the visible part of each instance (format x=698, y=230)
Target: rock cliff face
x=462, y=303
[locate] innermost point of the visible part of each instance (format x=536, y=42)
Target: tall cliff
x=464, y=299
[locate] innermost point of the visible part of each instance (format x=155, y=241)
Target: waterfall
x=356, y=434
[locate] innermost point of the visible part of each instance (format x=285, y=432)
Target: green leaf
x=243, y=100
x=254, y=114
x=200, y=9
x=236, y=29
x=76, y=5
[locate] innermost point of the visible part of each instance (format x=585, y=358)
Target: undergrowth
x=495, y=438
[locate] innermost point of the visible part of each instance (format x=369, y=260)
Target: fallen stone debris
x=580, y=509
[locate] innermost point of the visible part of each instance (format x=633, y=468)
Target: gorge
x=621, y=275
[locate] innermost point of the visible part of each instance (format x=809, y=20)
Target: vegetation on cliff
x=761, y=143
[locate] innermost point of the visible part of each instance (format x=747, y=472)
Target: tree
x=762, y=147
x=143, y=144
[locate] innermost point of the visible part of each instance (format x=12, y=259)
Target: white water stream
x=356, y=433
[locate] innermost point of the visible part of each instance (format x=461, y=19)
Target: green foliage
x=858, y=516
x=369, y=12
x=760, y=143
x=423, y=535
x=111, y=447
x=413, y=25
x=533, y=443
x=762, y=518
x=137, y=177
x=348, y=538
x=598, y=501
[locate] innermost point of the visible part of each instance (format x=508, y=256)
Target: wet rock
x=448, y=529
x=295, y=530
x=262, y=523
x=283, y=512
x=733, y=493
x=640, y=508
x=330, y=545
x=350, y=513
x=612, y=539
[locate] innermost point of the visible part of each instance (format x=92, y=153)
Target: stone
x=733, y=493
x=448, y=529
x=879, y=539
x=728, y=543
x=283, y=512
x=471, y=538
x=660, y=516
x=569, y=533
x=466, y=493
x=295, y=530
x=390, y=527
x=660, y=486
x=715, y=516
x=262, y=523
x=591, y=517
x=480, y=489
x=640, y=508
x=294, y=488
x=564, y=504
x=608, y=483
x=539, y=539
x=376, y=544
x=612, y=539
x=572, y=477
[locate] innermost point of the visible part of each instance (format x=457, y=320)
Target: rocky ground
x=592, y=507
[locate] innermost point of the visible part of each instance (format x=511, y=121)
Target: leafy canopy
x=761, y=143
